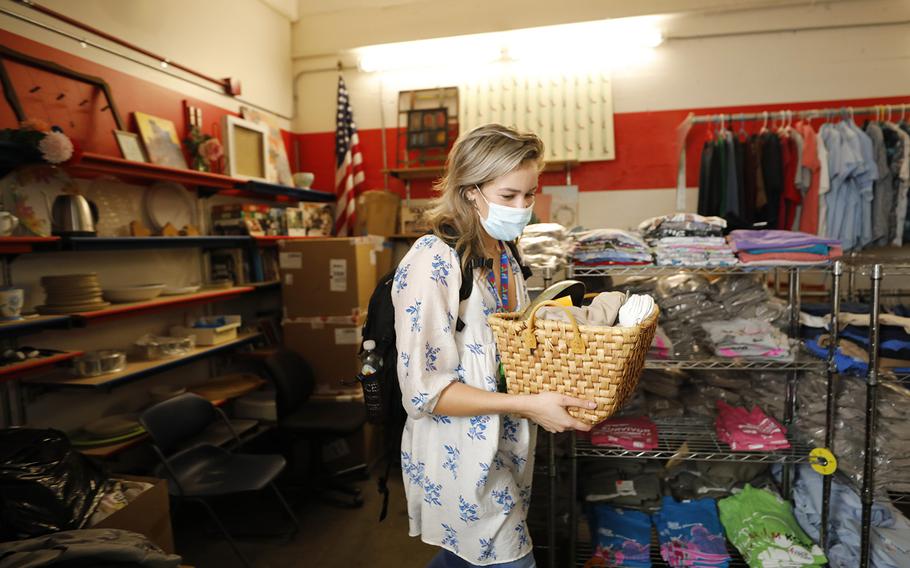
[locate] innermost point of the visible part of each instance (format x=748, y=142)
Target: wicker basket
x=596, y=363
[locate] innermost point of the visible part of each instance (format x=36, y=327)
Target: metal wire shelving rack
x=694, y=440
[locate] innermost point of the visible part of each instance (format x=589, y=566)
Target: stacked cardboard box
x=326, y=287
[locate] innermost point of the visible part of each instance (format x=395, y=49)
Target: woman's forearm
x=459, y=399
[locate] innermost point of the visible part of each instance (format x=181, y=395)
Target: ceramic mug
x=8, y=223
x=11, y=300
x=303, y=180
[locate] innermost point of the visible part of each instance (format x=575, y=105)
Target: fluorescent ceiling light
x=603, y=40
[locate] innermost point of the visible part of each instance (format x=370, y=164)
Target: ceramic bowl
x=139, y=293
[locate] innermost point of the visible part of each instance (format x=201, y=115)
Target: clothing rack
x=721, y=119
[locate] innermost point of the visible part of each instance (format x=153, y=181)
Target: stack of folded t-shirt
x=747, y=338
x=749, y=431
x=635, y=433
x=622, y=537
x=686, y=239
x=762, y=527
x=690, y=533
x=609, y=246
x=545, y=245
x=783, y=247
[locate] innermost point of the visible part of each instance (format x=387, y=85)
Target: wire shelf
x=584, y=551
x=653, y=270
x=801, y=363
x=899, y=498
x=701, y=444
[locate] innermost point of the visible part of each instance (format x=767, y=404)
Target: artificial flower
x=55, y=147
x=211, y=150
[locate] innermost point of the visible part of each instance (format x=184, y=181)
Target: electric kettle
x=73, y=215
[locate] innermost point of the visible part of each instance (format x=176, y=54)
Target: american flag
x=348, y=163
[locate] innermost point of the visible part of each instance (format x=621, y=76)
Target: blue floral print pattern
x=450, y=537
x=504, y=498
x=487, y=550
x=432, y=354
x=451, y=461
x=414, y=311
x=401, y=277
x=478, y=428
x=467, y=512
x=509, y=428
x=441, y=268
x=451, y=465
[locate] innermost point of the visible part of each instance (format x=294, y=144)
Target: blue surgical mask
x=504, y=223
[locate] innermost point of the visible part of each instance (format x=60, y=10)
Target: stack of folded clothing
x=545, y=245
x=748, y=338
x=693, y=251
x=762, y=527
x=682, y=225
x=686, y=239
x=606, y=310
x=749, y=431
x=890, y=529
x=639, y=491
x=783, y=247
x=637, y=433
x=622, y=537
x=690, y=533
x=609, y=246
x=697, y=480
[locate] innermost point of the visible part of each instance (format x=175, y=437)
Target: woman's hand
x=548, y=409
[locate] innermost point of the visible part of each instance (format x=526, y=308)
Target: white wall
x=244, y=39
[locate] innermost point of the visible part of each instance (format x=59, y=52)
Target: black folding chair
x=204, y=471
x=318, y=422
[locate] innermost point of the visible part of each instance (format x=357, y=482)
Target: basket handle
x=530, y=340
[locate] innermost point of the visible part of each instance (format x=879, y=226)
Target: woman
x=467, y=451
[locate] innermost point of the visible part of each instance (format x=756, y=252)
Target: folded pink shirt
x=749, y=431
x=637, y=433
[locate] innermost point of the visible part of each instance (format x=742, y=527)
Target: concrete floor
x=330, y=537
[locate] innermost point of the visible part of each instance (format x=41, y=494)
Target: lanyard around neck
x=502, y=299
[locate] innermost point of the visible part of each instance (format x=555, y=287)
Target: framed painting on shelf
x=160, y=139
x=279, y=169
x=130, y=146
x=246, y=148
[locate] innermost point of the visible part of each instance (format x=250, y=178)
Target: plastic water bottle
x=370, y=364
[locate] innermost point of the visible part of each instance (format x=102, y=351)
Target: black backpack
x=383, y=404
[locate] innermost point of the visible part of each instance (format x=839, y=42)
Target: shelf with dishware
x=25, y=245
x=93, y=165
x=160, y=303
x=33, y=324
x=49, y=358
x=136, y=370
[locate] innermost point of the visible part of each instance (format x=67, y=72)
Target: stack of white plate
x=71, y=293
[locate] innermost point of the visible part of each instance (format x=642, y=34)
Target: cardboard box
x=412, y=221
x=148, y=514
x=330, y=276
x=377, y=213
x=330, y=346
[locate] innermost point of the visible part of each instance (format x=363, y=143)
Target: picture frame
x=130, y=146
x=246, y=148
x=279, y=167
x=428, y=128
x=159, y=136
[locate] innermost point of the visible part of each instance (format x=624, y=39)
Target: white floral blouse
x=467, y=479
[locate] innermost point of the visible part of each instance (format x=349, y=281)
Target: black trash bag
x=45, y=485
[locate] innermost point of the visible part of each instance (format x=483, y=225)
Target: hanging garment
x=704, y=177
x=894, y=156
x=902, y=179
x=799, y=180
x=810, y=167
x=883, y=219
x=750, y=182
x=761, y=196
x=731, y=188
x=824, y=186
x=790, y=196
x=773, y=176
x=866, y=177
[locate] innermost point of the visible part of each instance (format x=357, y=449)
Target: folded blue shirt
x=622, y=537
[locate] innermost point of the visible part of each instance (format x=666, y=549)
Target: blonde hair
x=481, y=155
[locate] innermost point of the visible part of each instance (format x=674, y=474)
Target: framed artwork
x=279, y=169
x=246, y=148
x=428, y=128
x=160, y=139
x=130, y=146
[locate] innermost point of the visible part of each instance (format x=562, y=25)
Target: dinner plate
x=169, y=202
x=29, y=192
